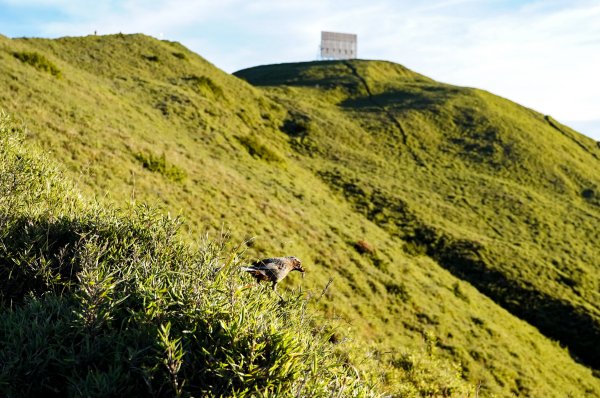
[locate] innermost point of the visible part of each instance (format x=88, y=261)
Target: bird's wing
x=259, y=274
x=270, y=263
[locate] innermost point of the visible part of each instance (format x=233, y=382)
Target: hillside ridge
x=433, y=208
x=572, y=325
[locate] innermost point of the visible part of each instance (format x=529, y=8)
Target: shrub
x=258, y=149
x=397, y=289
x=420, y=372
x=179, y=55
x=38, y=61
x=297, y=125
x=364, y=247
x=159, y=164
x=204, y=85
x=143, y=315
x=588, y=193
x=151, y=58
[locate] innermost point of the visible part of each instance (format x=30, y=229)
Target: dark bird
x=274, y=269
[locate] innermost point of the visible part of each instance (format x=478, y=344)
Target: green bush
x=297, y=125
x=139, y=313
x=151, y=58
x=258, y=149
x=179, y=55
x=38, y=61
x=159, y=164
x=204, y=86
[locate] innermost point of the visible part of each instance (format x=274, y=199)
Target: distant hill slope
x=501, y=196
x=434, y=208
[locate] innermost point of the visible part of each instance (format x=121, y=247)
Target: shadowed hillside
x=459, y=228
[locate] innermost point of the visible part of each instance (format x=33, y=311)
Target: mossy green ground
x=482, y=215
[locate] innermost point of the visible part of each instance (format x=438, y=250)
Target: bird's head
x=297, y=265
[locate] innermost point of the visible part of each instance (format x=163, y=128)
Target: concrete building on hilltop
x=338, y=45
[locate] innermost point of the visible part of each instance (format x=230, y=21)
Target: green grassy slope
x=101, y=302
x=362, y=170
x=501, y=196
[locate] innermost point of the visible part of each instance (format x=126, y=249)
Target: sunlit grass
x=434, y=178
x=98, y=302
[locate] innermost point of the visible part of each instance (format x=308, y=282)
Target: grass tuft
x=258, y=149
x=38, y=61
x=159, y=164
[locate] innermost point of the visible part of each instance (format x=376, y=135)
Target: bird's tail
x=247, y=269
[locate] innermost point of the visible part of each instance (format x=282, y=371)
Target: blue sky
x=544, y=54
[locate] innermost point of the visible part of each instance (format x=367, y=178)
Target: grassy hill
x=459, y=228
x=101, y=302
x=502, y=197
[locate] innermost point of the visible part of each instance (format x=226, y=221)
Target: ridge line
x=389, y=115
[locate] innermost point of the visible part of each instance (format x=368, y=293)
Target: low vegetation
x=38, y=61
x=455, y=231
x=259, y=149
x=160, y=165
x=95, y=302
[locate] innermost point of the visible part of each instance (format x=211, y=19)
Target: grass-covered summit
x=459, y=228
